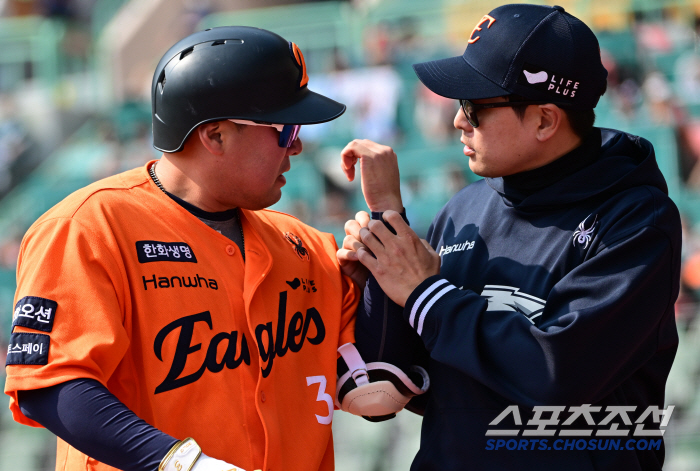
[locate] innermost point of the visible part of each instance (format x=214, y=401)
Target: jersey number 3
x=322, y=396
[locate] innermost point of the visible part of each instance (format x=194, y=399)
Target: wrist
x=417, y=298
x=187, y=456
x=386, y=205
x=181, y=456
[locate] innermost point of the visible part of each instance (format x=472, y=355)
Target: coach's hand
x=347, y=255
x=399, y=262
x=379, y=171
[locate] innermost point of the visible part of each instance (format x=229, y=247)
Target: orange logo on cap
x=299, y=57
x=483, y=20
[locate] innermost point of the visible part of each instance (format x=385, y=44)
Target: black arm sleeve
x=84, y=414
x=381, y=333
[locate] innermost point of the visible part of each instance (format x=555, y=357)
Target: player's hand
x=206, y=463
x=187, y=454
x=379, y=172
x=400, y=262
x=347, y=255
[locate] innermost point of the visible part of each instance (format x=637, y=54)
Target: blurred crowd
x=657, y=81
x=653, y=84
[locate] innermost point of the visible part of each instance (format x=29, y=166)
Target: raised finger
x=349, y=157
x=396, y=221
x=380, y=231
x=352, y=227
x=367, y=259
x=362, y=218
x=352, y=243
x=345, y=256
x=370, y=240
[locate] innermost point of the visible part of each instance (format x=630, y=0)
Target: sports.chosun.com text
x=570, y=444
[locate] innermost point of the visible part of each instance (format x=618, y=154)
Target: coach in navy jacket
x=544, y=295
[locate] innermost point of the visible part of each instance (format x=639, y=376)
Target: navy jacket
x=562, y=296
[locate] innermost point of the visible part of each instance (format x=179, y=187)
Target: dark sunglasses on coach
x=288, y=132
x=470, y=108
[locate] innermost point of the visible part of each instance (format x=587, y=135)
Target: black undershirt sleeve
x=382, y=334
x=84, y=414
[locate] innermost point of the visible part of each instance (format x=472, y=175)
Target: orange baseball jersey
x=121, y=284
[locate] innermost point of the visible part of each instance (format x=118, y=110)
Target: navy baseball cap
x=535, y=51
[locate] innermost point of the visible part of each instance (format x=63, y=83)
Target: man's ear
x=210, y=136
x=550, y=119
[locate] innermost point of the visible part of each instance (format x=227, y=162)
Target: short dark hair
x=581, y=121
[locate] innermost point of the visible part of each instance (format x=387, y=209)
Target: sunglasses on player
x=470, y=108
x=288, y=132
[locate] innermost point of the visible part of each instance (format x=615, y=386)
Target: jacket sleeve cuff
x=422, y=300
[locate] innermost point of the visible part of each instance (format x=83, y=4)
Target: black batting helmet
x=232, y=72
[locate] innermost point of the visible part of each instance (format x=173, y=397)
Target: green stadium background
x=74, y=107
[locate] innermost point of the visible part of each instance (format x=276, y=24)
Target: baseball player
x=165, y=319
x=544, y=295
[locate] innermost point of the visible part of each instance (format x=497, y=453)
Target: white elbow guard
x=377, y=390
x=186, y=455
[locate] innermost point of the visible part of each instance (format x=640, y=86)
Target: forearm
x=83, y=413
x=382, y=334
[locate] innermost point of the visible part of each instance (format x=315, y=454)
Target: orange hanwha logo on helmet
x=299, y=58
